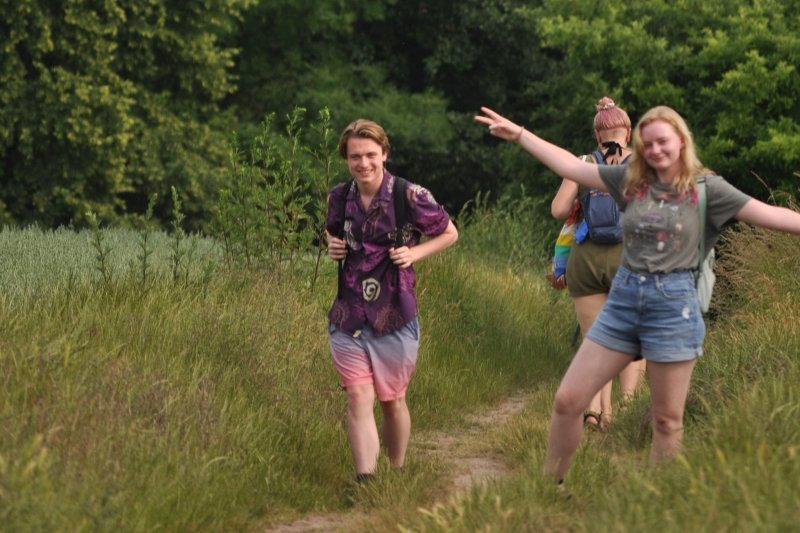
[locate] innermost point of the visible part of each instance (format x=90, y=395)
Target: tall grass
x=178, y=408
x=740, y=468
x=213, y=406
x=36, y=264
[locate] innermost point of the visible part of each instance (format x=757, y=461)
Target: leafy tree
x=329, y=54
x=273, y=204
x=299, y=52
x=473, y=53
x=105, y=103
x=728, y=67
x=420, y=68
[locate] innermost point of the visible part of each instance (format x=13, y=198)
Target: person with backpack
x=595, y=254
x=652, y=310
x=374, y=227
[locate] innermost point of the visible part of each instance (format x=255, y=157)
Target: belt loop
x=626, y=274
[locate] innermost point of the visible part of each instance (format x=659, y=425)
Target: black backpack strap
x=340, y=262
x=399, y=197
x=340, y=215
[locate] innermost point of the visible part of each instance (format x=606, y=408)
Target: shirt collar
x=384, y=194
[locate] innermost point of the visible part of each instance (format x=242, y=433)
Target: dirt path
x=459, y=448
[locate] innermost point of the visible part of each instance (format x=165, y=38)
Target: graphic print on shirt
x=370, y=227
x=352, y=242
x=416, y=194
x=388, y=318
x=371, y=289
x=339, y=312
x=657, y=222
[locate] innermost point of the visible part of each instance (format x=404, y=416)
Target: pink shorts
x=387, y=361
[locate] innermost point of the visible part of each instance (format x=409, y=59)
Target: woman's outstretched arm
x=758, y=213
x=555, y=158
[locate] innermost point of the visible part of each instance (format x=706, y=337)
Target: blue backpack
x=602, y=219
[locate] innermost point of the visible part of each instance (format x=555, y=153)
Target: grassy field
x=208, y=402
x=740, y=470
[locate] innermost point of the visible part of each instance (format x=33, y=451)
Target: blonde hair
x=639, y=173
x=610, y=116
x=365, y=129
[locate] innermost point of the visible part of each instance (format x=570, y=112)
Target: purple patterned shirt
x=371, y=294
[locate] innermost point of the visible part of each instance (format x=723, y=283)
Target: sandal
x=593, y=420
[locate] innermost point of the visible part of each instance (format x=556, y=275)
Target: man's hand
x=337, y=248
x=402, y=257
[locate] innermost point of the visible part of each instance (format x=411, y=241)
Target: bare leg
x=362, y=431
x=592, y=367
x=396, y=430
x=605, y=404
x=630, y=378
x=586, y=309
x=669, y=386
x=600, y=404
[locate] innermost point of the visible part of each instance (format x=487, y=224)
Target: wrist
x=518, y=136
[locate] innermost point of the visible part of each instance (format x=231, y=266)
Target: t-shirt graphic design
x=659, y=223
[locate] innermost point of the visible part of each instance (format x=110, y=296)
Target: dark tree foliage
x=475, y=52
x=729, y=67
x=105, y=103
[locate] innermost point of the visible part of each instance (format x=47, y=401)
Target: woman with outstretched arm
x=652, y=309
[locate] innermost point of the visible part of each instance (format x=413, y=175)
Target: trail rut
x=459, y=448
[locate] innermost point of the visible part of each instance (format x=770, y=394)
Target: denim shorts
x=386, y=361
x=655, y=316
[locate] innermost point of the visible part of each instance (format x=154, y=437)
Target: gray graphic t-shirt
x=661, y=231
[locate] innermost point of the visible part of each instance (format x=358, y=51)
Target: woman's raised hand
x=553, y=157
x=499, y=126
